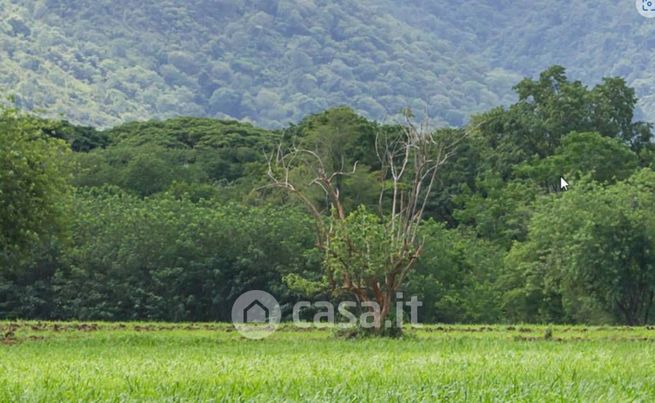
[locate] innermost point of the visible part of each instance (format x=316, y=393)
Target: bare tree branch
x=410, y=163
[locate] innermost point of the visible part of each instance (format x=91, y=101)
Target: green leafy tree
x=173, y=259
x=549, y=109
x=499, y=211
x=149, y=157
x=456, y=277
x=593, y=249
x=602, y=158
x=34, y=187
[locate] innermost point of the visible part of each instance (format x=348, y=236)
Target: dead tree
x=410, y=164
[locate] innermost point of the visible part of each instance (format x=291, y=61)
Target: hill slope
x=104, y=62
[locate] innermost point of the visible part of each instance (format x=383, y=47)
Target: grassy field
x=155, y=361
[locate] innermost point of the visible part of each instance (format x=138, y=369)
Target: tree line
x=172, y=220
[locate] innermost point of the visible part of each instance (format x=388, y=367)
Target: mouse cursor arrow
x=563, y=184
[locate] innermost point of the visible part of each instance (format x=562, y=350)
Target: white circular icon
x=646, y=8
x=256, y=314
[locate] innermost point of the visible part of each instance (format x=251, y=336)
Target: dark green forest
x=273, y=62
x=172, y=219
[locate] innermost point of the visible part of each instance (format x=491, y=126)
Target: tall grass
x=135, y=362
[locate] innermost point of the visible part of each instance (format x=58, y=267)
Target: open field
x=42, y=361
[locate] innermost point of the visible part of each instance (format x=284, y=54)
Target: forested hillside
x=106, y=62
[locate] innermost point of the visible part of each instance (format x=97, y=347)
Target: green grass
x=200, y=362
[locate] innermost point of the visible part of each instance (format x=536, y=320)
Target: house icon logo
x=256, y=314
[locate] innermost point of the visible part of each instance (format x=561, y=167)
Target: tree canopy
x=171, y=220
x=34, y=187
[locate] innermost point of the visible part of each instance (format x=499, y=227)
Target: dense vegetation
x=102, y=63
x=171, y=220
x=44, y=361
